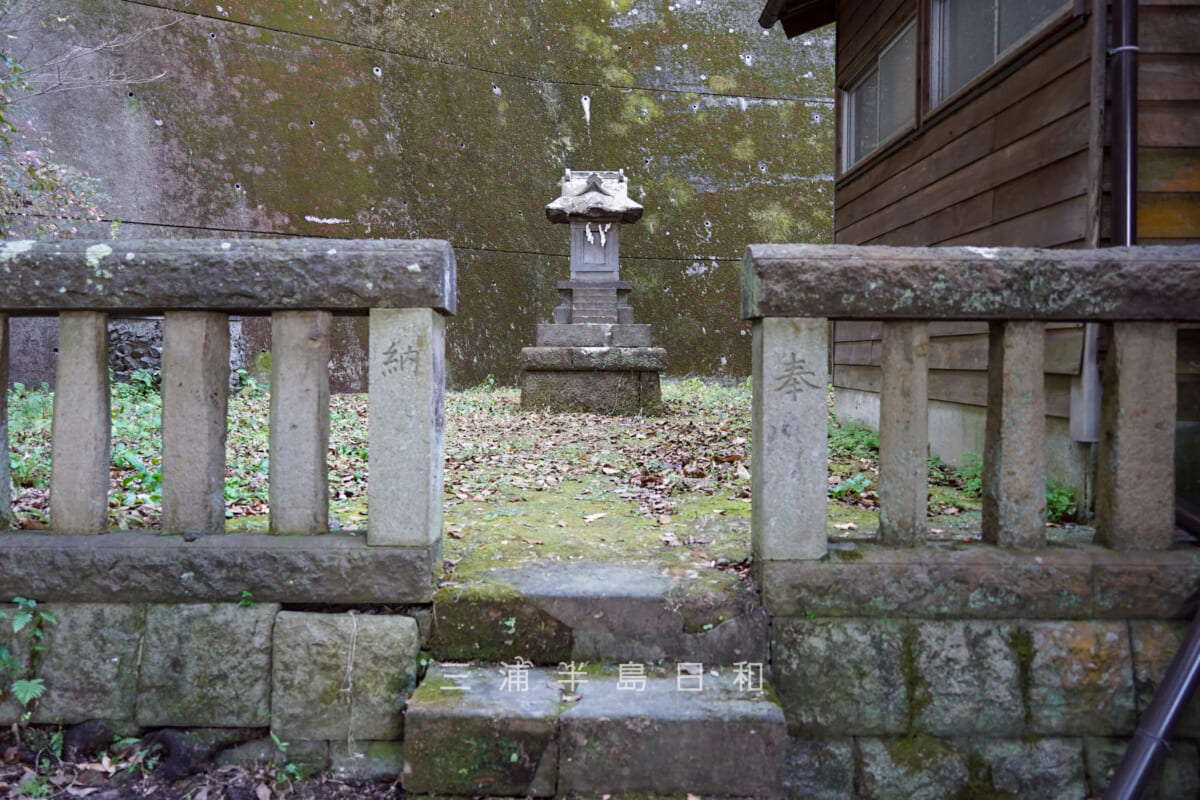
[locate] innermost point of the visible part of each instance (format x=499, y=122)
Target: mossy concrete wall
x=365, y=118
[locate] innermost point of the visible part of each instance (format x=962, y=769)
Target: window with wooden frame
x=969, y=36
x=881, y=101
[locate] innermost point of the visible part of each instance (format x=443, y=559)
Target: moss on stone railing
x=791, y=292
x=405, y=287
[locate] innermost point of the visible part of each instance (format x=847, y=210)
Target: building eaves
x=798, y=16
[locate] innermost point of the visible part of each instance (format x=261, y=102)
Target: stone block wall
x=894, y=688
x=333, y=685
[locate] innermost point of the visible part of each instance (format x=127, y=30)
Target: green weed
x=850, y=439
x=1060, y=502
x=970, y=475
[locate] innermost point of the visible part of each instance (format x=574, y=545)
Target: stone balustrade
x=405, y=287
x=791, y=292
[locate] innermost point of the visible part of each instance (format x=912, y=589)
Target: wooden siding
x=1169, y=121
x=957, y=361
x=999, y=157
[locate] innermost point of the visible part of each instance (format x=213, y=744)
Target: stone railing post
x=1135, y=481
x=903, y=433
x=407, y=379
x=1014, y=472
x=791, y=438
x=299, y=420
x=195, y=398
x=82, y=427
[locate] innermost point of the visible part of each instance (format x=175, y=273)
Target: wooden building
x=989, y=123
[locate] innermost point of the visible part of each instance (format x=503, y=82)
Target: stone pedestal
x=593, y=357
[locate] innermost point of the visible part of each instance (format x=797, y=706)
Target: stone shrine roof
x=594, y=196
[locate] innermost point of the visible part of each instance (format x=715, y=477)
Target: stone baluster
x=903, y=433
x=82, y=427
x=791, y=438
x=407, y=382
x=1014, y=473
x=195, y=397
x=1135, y=481
x=299, y=436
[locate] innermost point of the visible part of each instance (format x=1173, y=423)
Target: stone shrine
x=593, y=357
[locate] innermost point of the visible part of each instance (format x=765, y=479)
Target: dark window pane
x=864, y=112
x=1019, y=17
x=967, y=41
x=897, y=74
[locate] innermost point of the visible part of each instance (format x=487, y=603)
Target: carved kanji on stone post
x=593, y=357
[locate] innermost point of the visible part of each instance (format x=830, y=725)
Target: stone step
x=507, y=730
x=550, y=613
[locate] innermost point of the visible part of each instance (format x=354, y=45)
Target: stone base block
x=955, y=678
x=620, y=392
x=206, y=665
x=593, y=335
x=714, y=740
x=366, y=761
x=90, y=662
x=341, y=675
x=819, y=769
x=1178, y=779
x=467, y=733
x=309, y=757
x=860, y=668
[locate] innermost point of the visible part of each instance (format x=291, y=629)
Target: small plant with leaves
x=29, y=623
x=1060, y=502
x=970, y=474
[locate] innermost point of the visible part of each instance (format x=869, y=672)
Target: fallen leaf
x=263, y=792
x=571, y=698
x=664, y=519
x=742, y=472
x=531, y=541
x=846, y=526
x=561, y=524
x=454, y=531
x=594, y=517
x=691, y=669
x=85, y=791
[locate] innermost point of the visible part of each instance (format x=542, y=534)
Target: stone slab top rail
x=980, y=581
x=148, y=567
x=971, y=283
x=341, y=276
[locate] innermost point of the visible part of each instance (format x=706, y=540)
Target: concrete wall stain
x=364, y=118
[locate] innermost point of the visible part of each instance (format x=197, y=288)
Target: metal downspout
x=1149, y=746
x=1124, y=56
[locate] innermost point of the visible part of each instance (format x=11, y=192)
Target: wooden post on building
x=195, y=397
x=82, y=427
x=1135, y=480
x=299, y=438
x=791, y=438
x=903, y=433
x=1014, y=459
